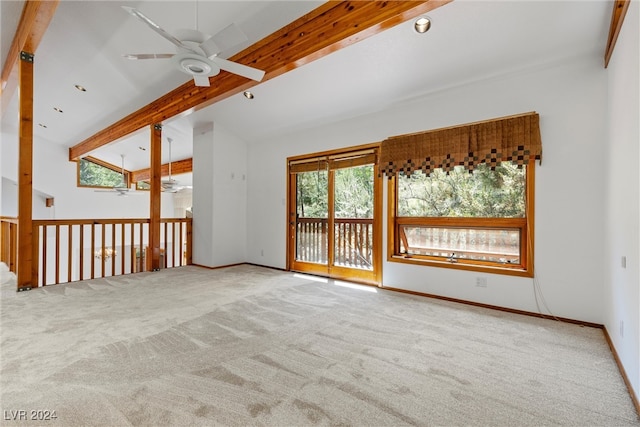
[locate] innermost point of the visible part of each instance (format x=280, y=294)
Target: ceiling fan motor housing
x=196, y=66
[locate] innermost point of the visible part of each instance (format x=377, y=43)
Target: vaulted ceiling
x=468, y=41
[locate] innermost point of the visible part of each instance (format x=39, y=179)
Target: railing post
x=154, y=207
x=25, y=172
x=189, y=240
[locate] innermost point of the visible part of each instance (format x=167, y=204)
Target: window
x=462, y=197
x=466, y=220
x=96, y=173
x=143, y=185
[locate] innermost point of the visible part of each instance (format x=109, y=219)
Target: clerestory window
x=96, y=173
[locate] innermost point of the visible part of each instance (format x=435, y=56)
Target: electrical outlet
x=623, y=262
x=261, y=252
x=481, y=282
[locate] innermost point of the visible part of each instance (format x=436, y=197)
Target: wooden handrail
x=47, y=222
x=336, y=220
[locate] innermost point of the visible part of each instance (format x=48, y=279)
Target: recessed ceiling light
x=57, y=109
x=422, y=24
x=80, y=88
x=247, y=94
x=42, y=126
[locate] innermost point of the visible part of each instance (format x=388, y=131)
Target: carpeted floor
x=253, y=346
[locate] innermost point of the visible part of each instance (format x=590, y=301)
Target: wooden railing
x=79, y=249
x=9, y=241
x=353, y=241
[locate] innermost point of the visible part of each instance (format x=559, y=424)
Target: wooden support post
x=154, y=206
x=25, y=173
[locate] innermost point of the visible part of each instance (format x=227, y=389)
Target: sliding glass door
x=333, y=203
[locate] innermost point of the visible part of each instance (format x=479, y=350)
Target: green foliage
x=354, y=192
x=95, y=175
x=484, y=193
x=312, y=195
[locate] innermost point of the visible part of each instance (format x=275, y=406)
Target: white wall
x=219, y=197
x=54, y=174
x=571, y=100
x=622, y=296
x=203, y=195
x=9, y=205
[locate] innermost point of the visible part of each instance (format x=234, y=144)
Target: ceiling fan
x=120, y=189
x=197, y=53
x=171, y=185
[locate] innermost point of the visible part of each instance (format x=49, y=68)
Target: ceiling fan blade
x=148, y=55
x=201, y=81
x=239, y=69
x=229, y=37
x=225, y=39
x=210, y=47
x=155, y=27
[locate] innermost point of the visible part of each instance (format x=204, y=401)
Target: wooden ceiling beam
x=617, y=18
x=35, y=19
x=328, y=28
x=177, y=167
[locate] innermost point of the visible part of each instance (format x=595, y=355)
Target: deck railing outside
x=78, y=249
x=353, y=241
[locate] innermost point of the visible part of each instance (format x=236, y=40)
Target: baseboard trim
x=265, y=266
x=218, y=267
x=497, y=307
x=623, y=372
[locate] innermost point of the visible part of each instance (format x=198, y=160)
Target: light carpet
x=254, y=346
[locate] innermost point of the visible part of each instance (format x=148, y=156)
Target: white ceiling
x=469, y=40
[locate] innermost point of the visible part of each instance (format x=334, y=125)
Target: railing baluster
x=142, y=257
x=69, y=252
x=181, y=231
x=113, y=249
x=57, y=254
x=122, y=247
x=81, y=254
x=102, y=250
x=166, y=243
x=44, y=255
x=93, y=250
x=133, y=248
x=173, y=245
x=35, y=251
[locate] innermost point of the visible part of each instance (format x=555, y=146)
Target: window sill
x=509, y=271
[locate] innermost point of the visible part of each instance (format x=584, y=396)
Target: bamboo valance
x=337, y=161
x=513, y=138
